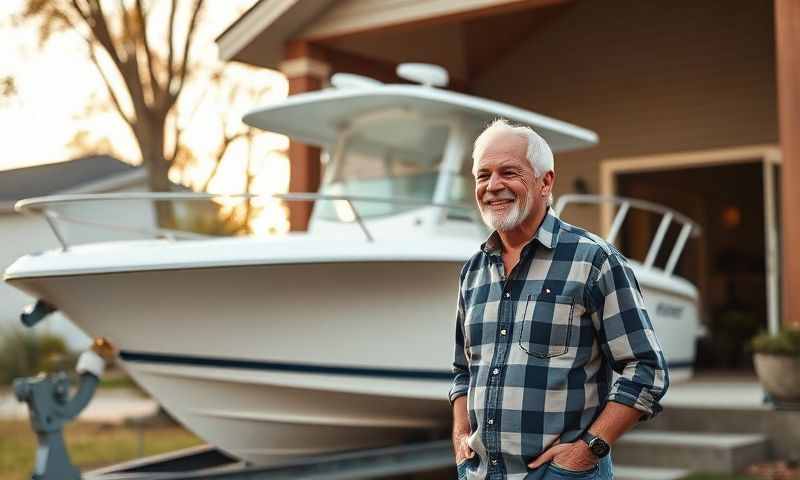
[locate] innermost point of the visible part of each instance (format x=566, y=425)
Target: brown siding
x=648, y=77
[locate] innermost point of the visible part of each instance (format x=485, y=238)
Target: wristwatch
x=597, y=445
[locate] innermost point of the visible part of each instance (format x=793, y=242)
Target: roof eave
x=271, y=23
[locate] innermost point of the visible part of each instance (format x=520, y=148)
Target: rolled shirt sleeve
x=460, y=368
x=627, y=338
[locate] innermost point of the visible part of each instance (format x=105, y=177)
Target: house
x=23, y=234
x=694, y=102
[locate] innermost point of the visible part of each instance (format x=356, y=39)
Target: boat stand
x=50, y=408
x=209, y=463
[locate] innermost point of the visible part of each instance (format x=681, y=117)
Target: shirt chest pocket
x=547, y=325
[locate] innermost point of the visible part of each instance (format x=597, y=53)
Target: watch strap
x=592, y=440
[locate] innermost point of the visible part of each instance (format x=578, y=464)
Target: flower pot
x=780, y=377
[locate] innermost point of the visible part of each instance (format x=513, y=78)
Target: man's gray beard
x=509, y=221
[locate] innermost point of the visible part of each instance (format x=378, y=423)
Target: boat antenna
x=427, y=74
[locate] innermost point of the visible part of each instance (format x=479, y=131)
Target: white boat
x=337, y=339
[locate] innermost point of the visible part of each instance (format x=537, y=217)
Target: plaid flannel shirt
x=535, y=352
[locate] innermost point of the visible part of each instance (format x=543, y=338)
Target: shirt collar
x=547, y=235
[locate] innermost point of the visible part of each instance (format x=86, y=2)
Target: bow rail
x=43, y=206
x=668, y=215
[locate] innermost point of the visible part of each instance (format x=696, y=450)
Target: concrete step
x=623, y=472
x=710, y=452
x=781, y=427
x=712, y=420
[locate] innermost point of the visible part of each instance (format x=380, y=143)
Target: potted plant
x=777, y=362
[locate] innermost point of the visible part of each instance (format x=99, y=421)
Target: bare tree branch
x=155, y=86
x=82, y=10
x=97, y=23
x=178, y=132
x=127, y=25
x=170, y=48
x=186, y=47
x=93, y=56
x=66, y=16
x=226, y=142
x=248, y=183
x=128, y=67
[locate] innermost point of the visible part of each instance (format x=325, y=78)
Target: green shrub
x=786, y=342
x=24, y=354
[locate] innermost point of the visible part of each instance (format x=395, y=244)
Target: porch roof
x=261, y=35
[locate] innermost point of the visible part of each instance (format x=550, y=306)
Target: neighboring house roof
x=91, y=174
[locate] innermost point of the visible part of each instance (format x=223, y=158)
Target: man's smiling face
x=505, y=182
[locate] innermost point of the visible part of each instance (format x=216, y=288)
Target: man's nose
x=494, y=184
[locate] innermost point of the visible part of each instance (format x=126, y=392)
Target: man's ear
x=548, y=180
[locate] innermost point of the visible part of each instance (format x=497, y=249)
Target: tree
x=143, y=83
x=8, y=87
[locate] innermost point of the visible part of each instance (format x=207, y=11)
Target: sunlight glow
x=61, y=110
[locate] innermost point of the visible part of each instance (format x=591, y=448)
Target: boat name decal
x=668, y=310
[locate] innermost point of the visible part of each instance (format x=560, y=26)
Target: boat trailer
x=50, y=408
x=209, y=463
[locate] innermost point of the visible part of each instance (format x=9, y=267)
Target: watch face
x=599, y=447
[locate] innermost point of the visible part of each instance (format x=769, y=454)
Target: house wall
x=24, y=234
x=21, y=235
x=648, y=77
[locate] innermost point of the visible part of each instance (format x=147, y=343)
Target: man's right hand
x=461, y=430
x=463, y=452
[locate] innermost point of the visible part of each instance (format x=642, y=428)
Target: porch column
x=787, y=56
x=306, y=71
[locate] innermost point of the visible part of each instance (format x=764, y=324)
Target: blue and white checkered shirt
x=535, y=351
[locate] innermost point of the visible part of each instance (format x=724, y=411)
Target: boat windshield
x=389, y=158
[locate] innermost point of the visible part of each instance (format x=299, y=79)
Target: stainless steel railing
x=668, y=215
x=44, y=206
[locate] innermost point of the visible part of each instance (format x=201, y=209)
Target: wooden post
x=787, y=56
x=306, y=71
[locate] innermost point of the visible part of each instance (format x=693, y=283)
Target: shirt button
x=491, y=421
x=495, y=371
x=508, y=295
x=504, y=332
x=494, y=461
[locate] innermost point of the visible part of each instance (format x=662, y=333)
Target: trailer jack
x=50, y=408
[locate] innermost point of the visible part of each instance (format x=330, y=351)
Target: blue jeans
x=604, y=470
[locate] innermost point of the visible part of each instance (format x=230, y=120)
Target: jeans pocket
x=558, y=472
x=461, y=469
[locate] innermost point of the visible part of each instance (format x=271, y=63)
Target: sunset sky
x=57, y=82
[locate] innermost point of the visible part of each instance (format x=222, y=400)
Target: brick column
x=305, y=71
x=787, y=50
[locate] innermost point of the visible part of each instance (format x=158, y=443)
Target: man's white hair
x=538, y=152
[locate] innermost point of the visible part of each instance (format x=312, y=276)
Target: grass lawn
x=90, y=445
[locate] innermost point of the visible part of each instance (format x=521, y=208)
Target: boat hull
x=274, y=362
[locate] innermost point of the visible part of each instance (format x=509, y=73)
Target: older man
x=546, y=312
